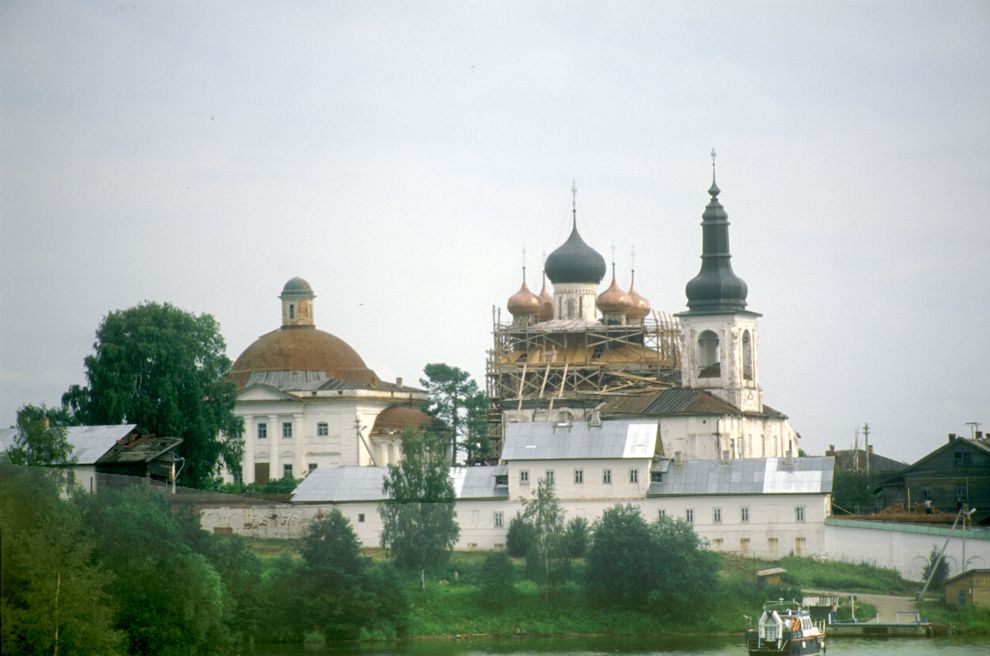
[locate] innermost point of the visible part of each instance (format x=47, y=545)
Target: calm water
x=692, y=646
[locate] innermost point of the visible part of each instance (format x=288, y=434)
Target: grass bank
x=453, y=603
x=962, y=621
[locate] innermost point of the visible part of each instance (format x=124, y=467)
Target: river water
x=686, y=646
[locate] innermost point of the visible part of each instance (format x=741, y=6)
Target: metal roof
x=349, y=483
x=89, y=443
x=541, y=440
x=748, y=476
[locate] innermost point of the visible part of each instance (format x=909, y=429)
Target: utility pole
x=856, y=451
x=866, y=441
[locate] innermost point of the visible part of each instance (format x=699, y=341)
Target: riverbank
x=454, y=604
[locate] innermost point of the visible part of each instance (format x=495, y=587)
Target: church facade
x=308, y=400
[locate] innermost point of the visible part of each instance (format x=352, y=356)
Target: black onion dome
x=716, y=288
x=575, y=261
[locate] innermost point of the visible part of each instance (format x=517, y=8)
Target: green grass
x=964, y=621
x=453, y=604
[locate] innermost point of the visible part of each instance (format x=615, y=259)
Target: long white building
x=767, y=507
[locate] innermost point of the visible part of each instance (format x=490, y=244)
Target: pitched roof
x=541, y=440
x=748, y=476
x=89, y=443
x=677, y=401
x=349, y=483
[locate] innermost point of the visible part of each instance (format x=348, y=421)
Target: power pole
x=866, y=441
x=856, y=451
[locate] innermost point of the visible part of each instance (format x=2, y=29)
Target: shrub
x=496, y=580
x=519, y=537
x=576, y=537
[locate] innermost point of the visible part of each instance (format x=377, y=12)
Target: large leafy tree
x=460, y=407
x=53, y=599
x=419, y=527
x=165, y=369
x=171, y=600
x=661, y=565
x=41, y=437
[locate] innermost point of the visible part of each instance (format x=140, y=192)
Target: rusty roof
x=396, y=417
x=303, y=349
x=139, y=448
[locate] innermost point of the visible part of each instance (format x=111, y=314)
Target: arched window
x=747, y=356
x=708, y=362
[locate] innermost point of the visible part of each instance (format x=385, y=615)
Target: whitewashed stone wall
x=903, y=547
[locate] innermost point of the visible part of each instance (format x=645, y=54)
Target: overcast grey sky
x=400, y=155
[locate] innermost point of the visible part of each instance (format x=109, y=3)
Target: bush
x=576, y=537
x=496, y=580
x=520, y=537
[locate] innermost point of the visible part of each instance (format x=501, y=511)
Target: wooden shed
x=970, y=588
x=769, y=577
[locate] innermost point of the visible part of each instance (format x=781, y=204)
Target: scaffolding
x=576, y=364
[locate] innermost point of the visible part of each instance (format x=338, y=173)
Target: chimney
x=678, y=458
x=952, y=437
x=398, y=381
x=831, y=450
x=595, y=419
x=869, y=449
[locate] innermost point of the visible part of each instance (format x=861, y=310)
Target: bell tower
x=718, y=334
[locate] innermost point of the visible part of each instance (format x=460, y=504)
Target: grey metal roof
x=349, y=483
x=748, y=476
x=89, y=443
x=297, y=380
x=540, y=440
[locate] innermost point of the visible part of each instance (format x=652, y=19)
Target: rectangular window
x=607, y=476
x=689, y=515
x=744, y=514
x=656, y=477
x=799, y=513
x=322, y=429
x=743, y=545
x=717, y=544
x=578, y=476
x=963, y=458
x=661, y=513
x=717, y=515
x=550, y=476
x=360, y=518
x=286, y=429
x=262, y=431
x=799, y=546
x=524, y=477
x=499, y=519
x=312, y=467
x=286, y=471
x=634, y=476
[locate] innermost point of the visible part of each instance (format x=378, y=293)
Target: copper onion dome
x=640, y=306
x=614, y=300
x=524, y=302
x=546, y=302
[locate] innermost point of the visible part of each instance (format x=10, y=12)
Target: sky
x=401, y=157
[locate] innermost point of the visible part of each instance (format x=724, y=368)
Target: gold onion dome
x=640, y=306
x=524, y=302
x=614, y=300
x=546, y=302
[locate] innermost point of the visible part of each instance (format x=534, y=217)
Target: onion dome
x=614, y=300
x=640, y=306
x=716, y=289
x=575, y=261
x=524, y=302
x=546, y=302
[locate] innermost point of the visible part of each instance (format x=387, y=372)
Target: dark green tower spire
x=716, y=289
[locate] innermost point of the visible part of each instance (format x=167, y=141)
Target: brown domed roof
x=396, y=417
x=614, y=299
x=640, y=306
x=302, y=349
